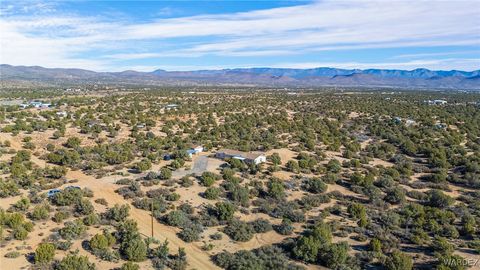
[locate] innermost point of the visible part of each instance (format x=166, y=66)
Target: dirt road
x=199, y=166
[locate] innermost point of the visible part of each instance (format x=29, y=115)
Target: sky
x=191, y=35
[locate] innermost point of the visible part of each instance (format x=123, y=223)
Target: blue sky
x=191, y=35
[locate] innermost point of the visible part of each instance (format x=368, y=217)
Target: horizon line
x=245, y=67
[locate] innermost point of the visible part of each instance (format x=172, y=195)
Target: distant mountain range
x=265, y=77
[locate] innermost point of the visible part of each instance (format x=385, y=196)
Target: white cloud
x=421, y=55
x=132, y=56
x=434, y=64
x=99, y=42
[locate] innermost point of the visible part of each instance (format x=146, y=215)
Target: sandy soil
x=197, y=258
x=285, y=154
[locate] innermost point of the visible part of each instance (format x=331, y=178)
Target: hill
x=269, y=77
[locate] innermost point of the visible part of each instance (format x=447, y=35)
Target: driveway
x=199, y=166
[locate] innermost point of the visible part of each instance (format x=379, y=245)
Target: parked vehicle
x=52, y=192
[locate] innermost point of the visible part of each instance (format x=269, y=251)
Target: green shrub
x=101, y=201
x=142, y=165
x=284, y=228
x=211, y=193
x=22, y=205
x=63, y=245
x=335, y=255
x=84, y=207
x=12, y=254
x=261, y=225
x=399, y=261
x=375, y=245
x=276, y=189
x=239, y=230
x=72, y=230
x=442, y=246
x=67, y=197
x=186, y=181
x=40, y=212
x=102, y=241
x=395, y=195
x=208, y=179
x=44, y=253
x=118, y=213
x=177, y=218
x=191, y=233
x=306, y=248
x=165, y=173
x=315, y=185
x=75, y=262
x=58, y=217
x=224, y=211
x=437, y=198
x=91, y=219
x=20, y=233
x=134, y=249
x=130, y=266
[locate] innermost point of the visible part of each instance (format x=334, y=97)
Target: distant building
x=198, y=149
x=194, y=150
x=61, y=114
x=171, y=106
x=440, y=102
x=35, y=104
x=410, y=122
x=436, y=102
x=92, y=123
x=248, y=157
x=190, y=153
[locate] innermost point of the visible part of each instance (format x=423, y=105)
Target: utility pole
x=152, y=216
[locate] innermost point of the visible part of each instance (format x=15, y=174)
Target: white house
x=198, y=149
x=261, y=158
x=248, y=157
x=436, y=102
x=440, y=102
x=171, y=106
x=410, y=122
x=62, y=113
x=194, y=150
x=35, y=104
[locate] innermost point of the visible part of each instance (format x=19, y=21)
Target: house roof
x=248, y=155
